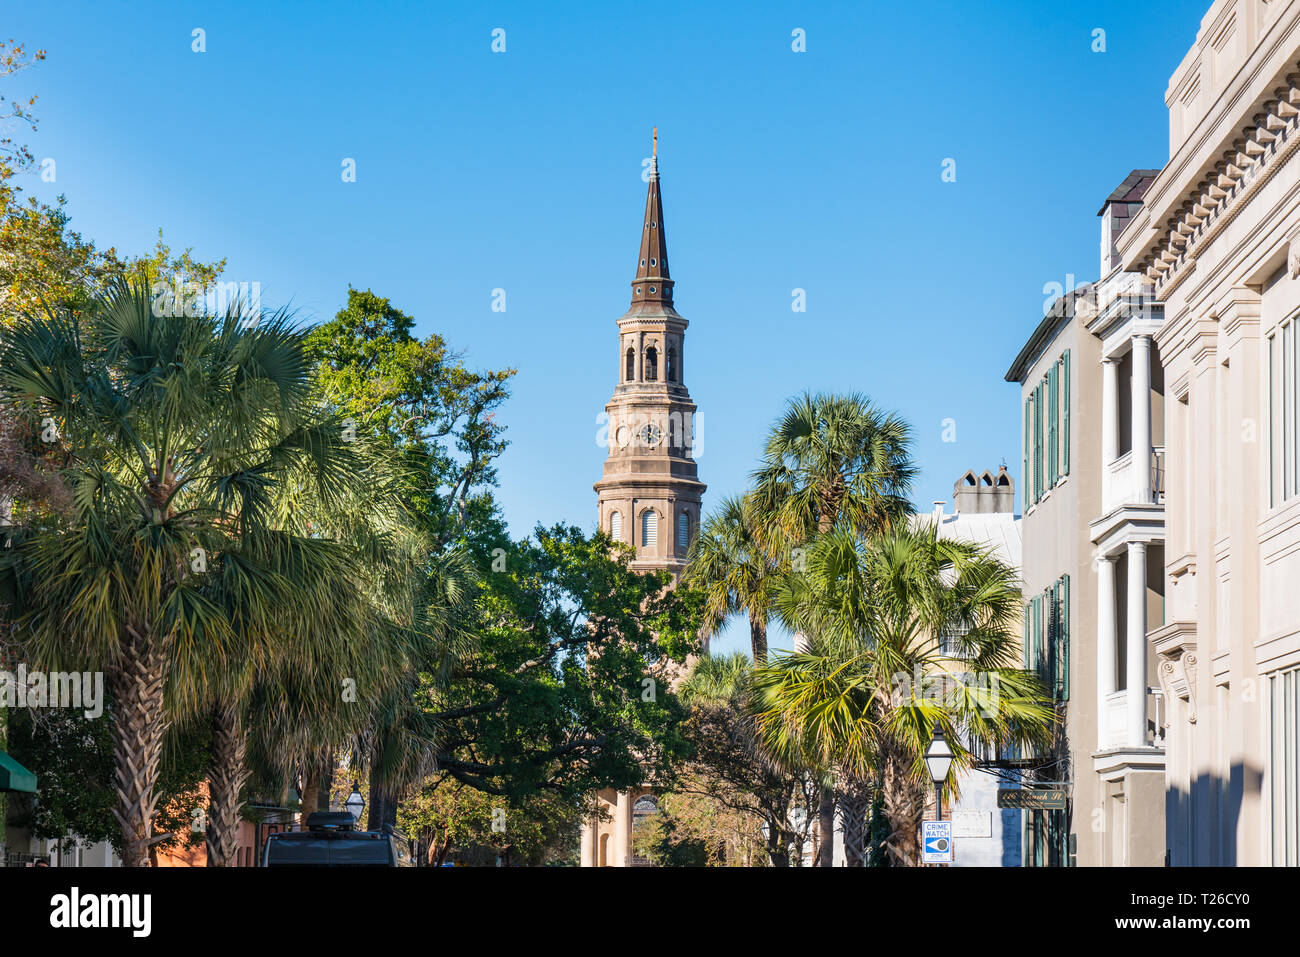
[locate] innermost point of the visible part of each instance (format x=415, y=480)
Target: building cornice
x=1237, y=147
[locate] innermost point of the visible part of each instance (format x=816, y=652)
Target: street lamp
x=938, y=758
x=355, y=803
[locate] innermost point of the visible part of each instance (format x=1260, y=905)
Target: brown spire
x=652, y=284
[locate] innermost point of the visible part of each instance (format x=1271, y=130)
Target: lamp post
x=938, y=759
x=355, y=803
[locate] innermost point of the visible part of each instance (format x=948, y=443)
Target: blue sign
x=936, y=842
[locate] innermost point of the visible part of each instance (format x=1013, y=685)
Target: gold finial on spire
x=654, y=150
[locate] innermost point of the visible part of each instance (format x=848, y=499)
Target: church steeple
x=652, y=283
x=650, y=494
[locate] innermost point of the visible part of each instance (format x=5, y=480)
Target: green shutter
x=1064, y=680
x=1024, y=475
x=1065, y=418
x=1038, y=632
x=1038, y=442
x=1051, y=427
x=1024, y=642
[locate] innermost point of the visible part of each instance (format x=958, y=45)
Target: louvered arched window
x=651, y=364
x=616, y=526
x=670, y=369
x=683, y=530
x=649, y=528
x=631, y=365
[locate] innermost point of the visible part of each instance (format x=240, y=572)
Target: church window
x=643, y=262
x=652, y=289
x=683, y=530
x=670, y=370
x=651, y=362
x=616, y=526
x=652, y=262
x=649, y=528
x=631, y=365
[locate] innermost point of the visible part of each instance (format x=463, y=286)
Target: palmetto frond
x=878, y=676
x=833, y=457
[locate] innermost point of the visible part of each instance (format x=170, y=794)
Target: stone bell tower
x=649, y=495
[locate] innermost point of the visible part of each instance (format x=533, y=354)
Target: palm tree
x=177, y=433
x=733, y=572
x=830, y=459
x=879, y=611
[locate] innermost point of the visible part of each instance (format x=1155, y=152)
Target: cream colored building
x=1093, y=540
x=1219, y=238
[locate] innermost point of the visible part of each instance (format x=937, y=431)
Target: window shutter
x=1064, y=656
x=1024, y=475
x=1051, y=427
x=1038, y=442
x=1024, y=642
x=616, y=526
x=1033, y=644
x=649, y=528
x=683, y=530
x=1065, y=418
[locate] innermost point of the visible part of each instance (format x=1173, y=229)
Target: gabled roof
x=1057, y=318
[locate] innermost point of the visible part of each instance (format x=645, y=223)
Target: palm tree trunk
x=383, y=807
x=315, y=782
x=826, y=829
x=136, y=680
x=226, y=784
x=855, y=802
x=905, y=799
x=758, y=638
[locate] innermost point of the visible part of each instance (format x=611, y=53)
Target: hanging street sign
x=936, y=842
x=1031, y=800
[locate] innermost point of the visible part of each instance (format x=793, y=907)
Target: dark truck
x=331, y=840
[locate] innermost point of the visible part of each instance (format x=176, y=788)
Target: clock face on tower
x=649, y=435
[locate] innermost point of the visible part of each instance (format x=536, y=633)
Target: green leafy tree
x=729, y=763
x=416, y=397
x=567, y=690
x=453, y=819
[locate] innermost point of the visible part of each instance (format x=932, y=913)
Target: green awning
x=15, y=777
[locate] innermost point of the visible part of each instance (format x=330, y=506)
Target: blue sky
x=521, y=170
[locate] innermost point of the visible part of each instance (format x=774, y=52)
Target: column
x=1106, y=642
x=623, y=830
x=1142, y=419
x=587, y=856
x=1135, y=724
x=1109, y=426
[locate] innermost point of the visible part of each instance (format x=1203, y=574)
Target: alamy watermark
x=56, y=689
x=184, y=297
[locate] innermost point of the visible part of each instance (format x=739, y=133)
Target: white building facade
x=1218, y=237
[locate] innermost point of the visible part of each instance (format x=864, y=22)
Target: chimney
x=984, y=494
x=938, y=512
